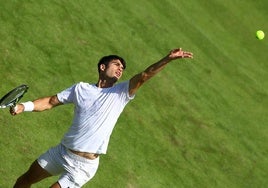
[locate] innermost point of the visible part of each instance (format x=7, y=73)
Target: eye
x=119, y=65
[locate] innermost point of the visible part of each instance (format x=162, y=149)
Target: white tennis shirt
x=95, y=115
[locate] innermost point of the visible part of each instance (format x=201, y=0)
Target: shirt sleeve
x=67, y=95
x=123, y=88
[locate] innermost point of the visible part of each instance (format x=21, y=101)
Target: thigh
x=35, y=173
x=52, y=160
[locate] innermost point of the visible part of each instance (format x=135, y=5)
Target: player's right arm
x=139, y=79
x=39, y=105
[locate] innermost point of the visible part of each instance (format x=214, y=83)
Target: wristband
x=28, y=106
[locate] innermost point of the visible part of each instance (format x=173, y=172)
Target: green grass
x=199, y=123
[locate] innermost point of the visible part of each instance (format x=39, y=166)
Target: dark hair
x=106, y=60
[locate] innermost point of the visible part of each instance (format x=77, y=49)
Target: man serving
x=96, y=110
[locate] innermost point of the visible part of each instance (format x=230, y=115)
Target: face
x=114, y=69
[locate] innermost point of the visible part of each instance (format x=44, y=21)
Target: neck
x=105, y=83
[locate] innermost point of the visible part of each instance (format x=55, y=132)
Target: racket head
x=12, y=97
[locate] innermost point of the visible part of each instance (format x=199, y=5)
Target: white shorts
x=75, y=170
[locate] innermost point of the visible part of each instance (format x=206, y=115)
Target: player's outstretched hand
x=16, y=110
x=179, y=53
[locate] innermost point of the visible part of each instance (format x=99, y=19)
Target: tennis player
x=97, y=108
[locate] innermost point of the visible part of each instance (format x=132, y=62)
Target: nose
x=121, y=68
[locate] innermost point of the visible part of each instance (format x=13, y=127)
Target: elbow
x=53, y=101
x=144, y=77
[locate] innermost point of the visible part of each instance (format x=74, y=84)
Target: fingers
x=14, y=110
x=179, y=53
x=187, y=55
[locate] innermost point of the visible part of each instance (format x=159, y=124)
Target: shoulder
x=83, y=85
x=122, y=85
x=123, y=88
x=79, y=87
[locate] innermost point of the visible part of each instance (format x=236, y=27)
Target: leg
x=35, y=174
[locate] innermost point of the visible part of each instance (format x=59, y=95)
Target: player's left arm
x=139, y=79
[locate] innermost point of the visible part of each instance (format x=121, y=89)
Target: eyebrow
x=117, y=63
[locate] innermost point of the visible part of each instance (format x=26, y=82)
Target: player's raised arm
x=37, y=105
x=137, y=80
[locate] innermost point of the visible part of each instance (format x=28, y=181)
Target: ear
x=102, y=67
